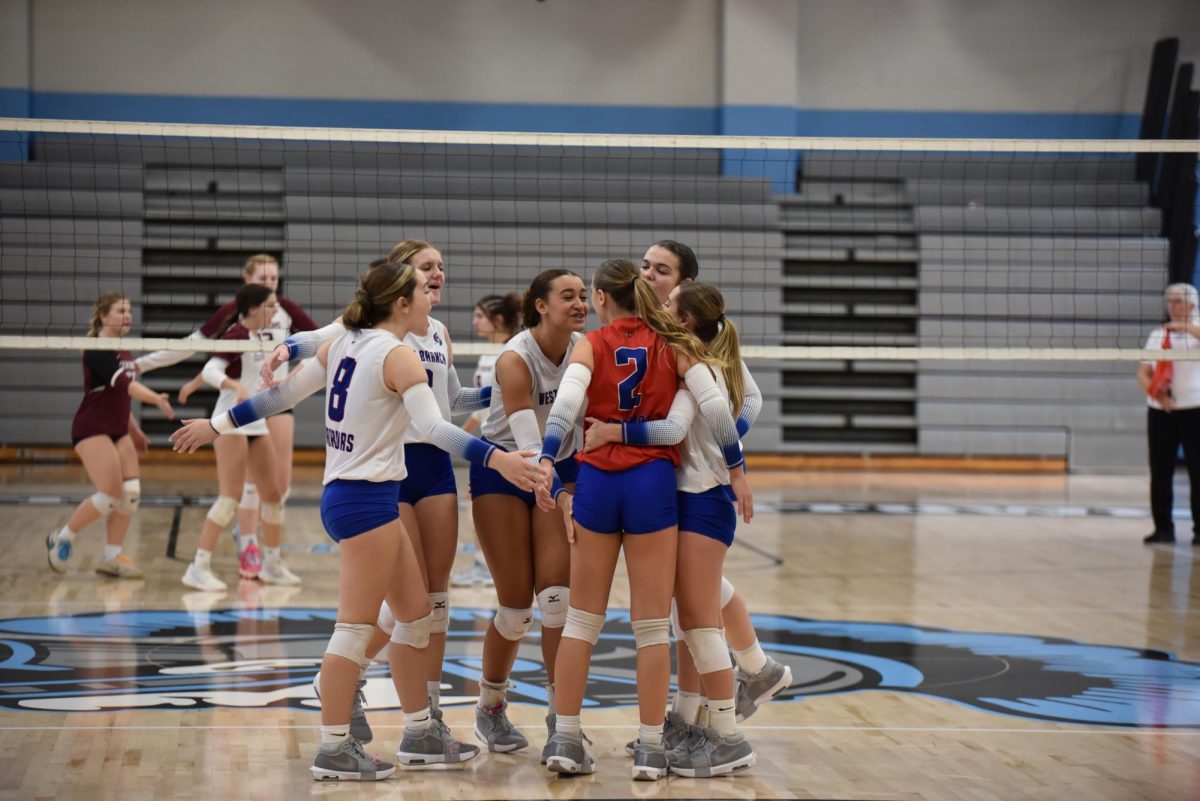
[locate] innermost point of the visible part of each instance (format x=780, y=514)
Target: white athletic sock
x=111, y=552
x=417, y=722
x=568, y=724
x=550, y=697
x=751, y=660
x=722, y=716
x=248, y=540
x=492, y=695
x=434, y=690
x=272, y=554
x=203, y=559
x=650, y=735
x=686, y=705
x=362, y=674
x=65, y=533
x=333, y=735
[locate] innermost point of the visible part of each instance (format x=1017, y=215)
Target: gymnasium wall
x=943, y=67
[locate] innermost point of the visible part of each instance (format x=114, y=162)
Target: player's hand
x=542, y=495
x=599, y=433
x=164, y=405
x=1164, y=400
x=275, y=359
x=193, y=435
x=516, y=468
x=740, y=483
x=566, y=504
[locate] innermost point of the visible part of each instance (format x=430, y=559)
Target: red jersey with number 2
x=633, y=380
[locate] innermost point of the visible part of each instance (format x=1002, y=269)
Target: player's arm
x=403, y=374
x=711, y=403
x=669, y=431
x=305, y=381
x=463, y=399
x=752, y=403
x=570, y=400
x=516, y=387
x=302, y=345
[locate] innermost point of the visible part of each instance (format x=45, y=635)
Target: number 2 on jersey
x=340, y=388
x=629, y=395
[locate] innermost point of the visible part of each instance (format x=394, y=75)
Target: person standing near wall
x=1173, y=418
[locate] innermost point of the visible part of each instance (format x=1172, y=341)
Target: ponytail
x=704, y=305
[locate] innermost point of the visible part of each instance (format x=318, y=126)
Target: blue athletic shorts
x=350, y=508
x=640, y=500
x=486, y=481
x=710, y=513
x=430, y=472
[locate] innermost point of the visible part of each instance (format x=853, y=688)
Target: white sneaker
x=203, y=580
x=274, y=571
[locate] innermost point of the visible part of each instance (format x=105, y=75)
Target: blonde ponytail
x=704, y=305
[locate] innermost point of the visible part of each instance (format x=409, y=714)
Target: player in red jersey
x=108, y=440
x=628, y=371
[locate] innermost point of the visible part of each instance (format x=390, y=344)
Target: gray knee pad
x=386, y=620
x=512, y=624
x=726, y=592
x=131, y=496
x=223, y=511
x=440, y=603
x=414, y=633
x=653, y=631
x=709, y=651
x=350, y=641
x=553, y=603
x=583, y=625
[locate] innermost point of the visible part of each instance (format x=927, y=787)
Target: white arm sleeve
x=525, y=430
x=751, y=404
x=463, y=400
x=165, y=358
x=431, y=427
x=572, y=394
x=305, y=344
x=669, y=431
x=305, y=380
x=214, y=371
x=703, y=386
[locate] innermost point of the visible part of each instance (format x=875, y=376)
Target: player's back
x=634, y=379
x=364, y=420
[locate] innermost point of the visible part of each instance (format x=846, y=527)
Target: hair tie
x=721, y=317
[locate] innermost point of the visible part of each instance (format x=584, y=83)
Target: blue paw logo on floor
x=254, y=658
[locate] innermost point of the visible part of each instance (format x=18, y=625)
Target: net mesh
x=846, y=263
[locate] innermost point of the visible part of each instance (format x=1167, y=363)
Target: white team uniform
x=701, y=462
x=365, y=443
x=434, y=353
x=546, y=377
x=251, y=378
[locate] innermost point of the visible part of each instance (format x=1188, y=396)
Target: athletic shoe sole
x=560, y=764
x=737, y=766
x=646, y=773
x=784, y=682
x=323, y=775
x=498, y=749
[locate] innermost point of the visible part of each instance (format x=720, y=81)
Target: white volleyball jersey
x=434, y=353
x=701, y=461
x=484, y=369
x=364, y=420
x=546, y=377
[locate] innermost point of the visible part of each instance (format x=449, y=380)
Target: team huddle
x=621, y=439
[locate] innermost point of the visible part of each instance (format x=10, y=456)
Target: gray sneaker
x=707, y=754
x=494, y=729
x=566, y=753
x=434, y=746
x=649, y=762
x=349, y=763
x=675, y=731
x=550, y=729
x=754, y=691
x=359, y=728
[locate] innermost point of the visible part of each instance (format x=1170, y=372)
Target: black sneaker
x=1157, y=538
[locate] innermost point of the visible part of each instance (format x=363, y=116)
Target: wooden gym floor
x=952, y=636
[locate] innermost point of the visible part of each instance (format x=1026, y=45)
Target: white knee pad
x=553, y=603
x=583, y=625
x=350, y=641
x=676, y=629
x=414, y=633
x=272, y=513
x=709, y=651
x=386, y=620
x=512, y=623
x=103, y=502
x=222, y=511
x=726, y=592
x=249, y=496
x=654, y=631
x=440, y=601
x=131, y=496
